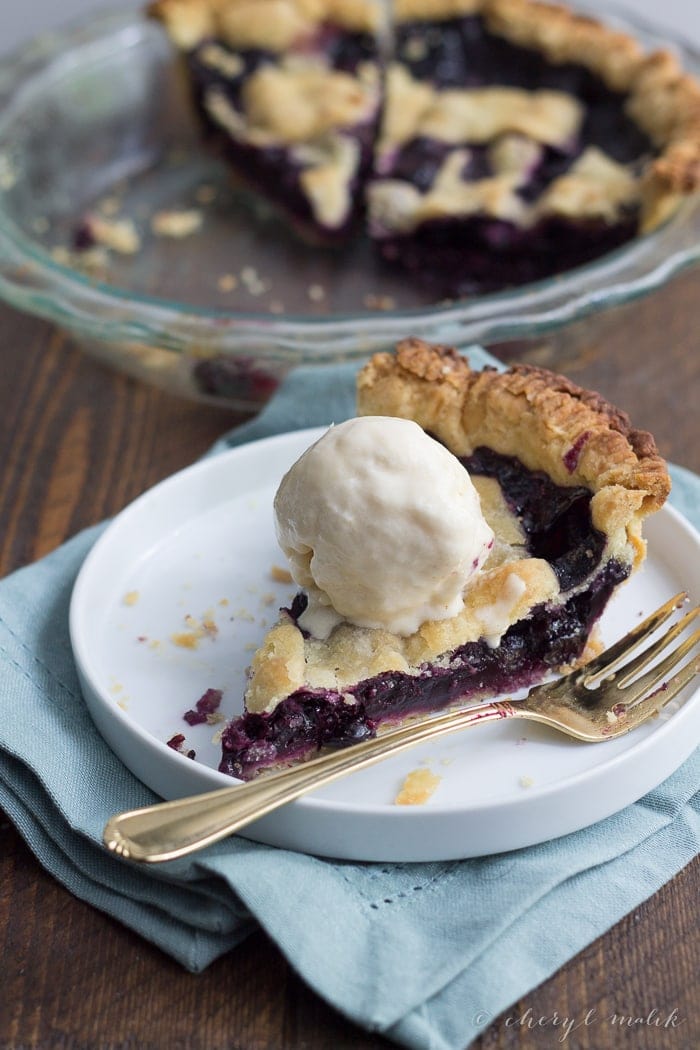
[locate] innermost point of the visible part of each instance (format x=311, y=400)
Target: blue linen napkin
x=428, y=954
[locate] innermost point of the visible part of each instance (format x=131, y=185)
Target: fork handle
x=168, y=830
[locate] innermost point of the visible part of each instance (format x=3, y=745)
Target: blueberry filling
x=557, y=524
x=463, y=53
x=482, y=255
x=207, y=705
x=272, y=170
x=556, y=519
x=342, y=51
x=345, y=51
x=310, y=719
x=477, y=253
x=234, y=377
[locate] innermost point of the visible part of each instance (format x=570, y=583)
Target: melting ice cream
x=382, y=527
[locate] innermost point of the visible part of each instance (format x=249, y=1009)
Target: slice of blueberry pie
x=460, y=538
x=291, y=91
x=520, y=140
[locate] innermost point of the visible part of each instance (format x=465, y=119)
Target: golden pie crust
x=273, y=25
x=550, y=424
x=527, y=412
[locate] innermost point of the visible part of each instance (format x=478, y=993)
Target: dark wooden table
x=78, y=443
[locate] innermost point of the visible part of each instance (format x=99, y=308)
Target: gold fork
x=600, y=701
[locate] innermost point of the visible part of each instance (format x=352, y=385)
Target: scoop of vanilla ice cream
x=381, y=525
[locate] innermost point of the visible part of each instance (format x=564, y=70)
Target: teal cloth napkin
x=428, y=954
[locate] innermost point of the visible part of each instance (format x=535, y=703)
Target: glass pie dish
x=201, y=289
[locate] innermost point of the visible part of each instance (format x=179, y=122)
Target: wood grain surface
x=77, y=443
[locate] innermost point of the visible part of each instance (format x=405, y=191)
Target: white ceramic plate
x=199, y=549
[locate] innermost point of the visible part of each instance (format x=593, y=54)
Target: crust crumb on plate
x=419, y=786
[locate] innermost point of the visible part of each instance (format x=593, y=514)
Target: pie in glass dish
x=521, y=140
x=484, y=143
x=290, y=90
x=563, y=483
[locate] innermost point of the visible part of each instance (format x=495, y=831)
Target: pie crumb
x=186, y=639
x=316, y=293
x=176, y=223
x=417, y=788
x=119, y=235
x=280, y=575
x=227, y=282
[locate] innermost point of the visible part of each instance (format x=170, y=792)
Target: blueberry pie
x=519, y=141
x=488, y=143
x=460, y=538
x=291, y=90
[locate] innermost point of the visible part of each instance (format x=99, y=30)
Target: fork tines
x=604, y=669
